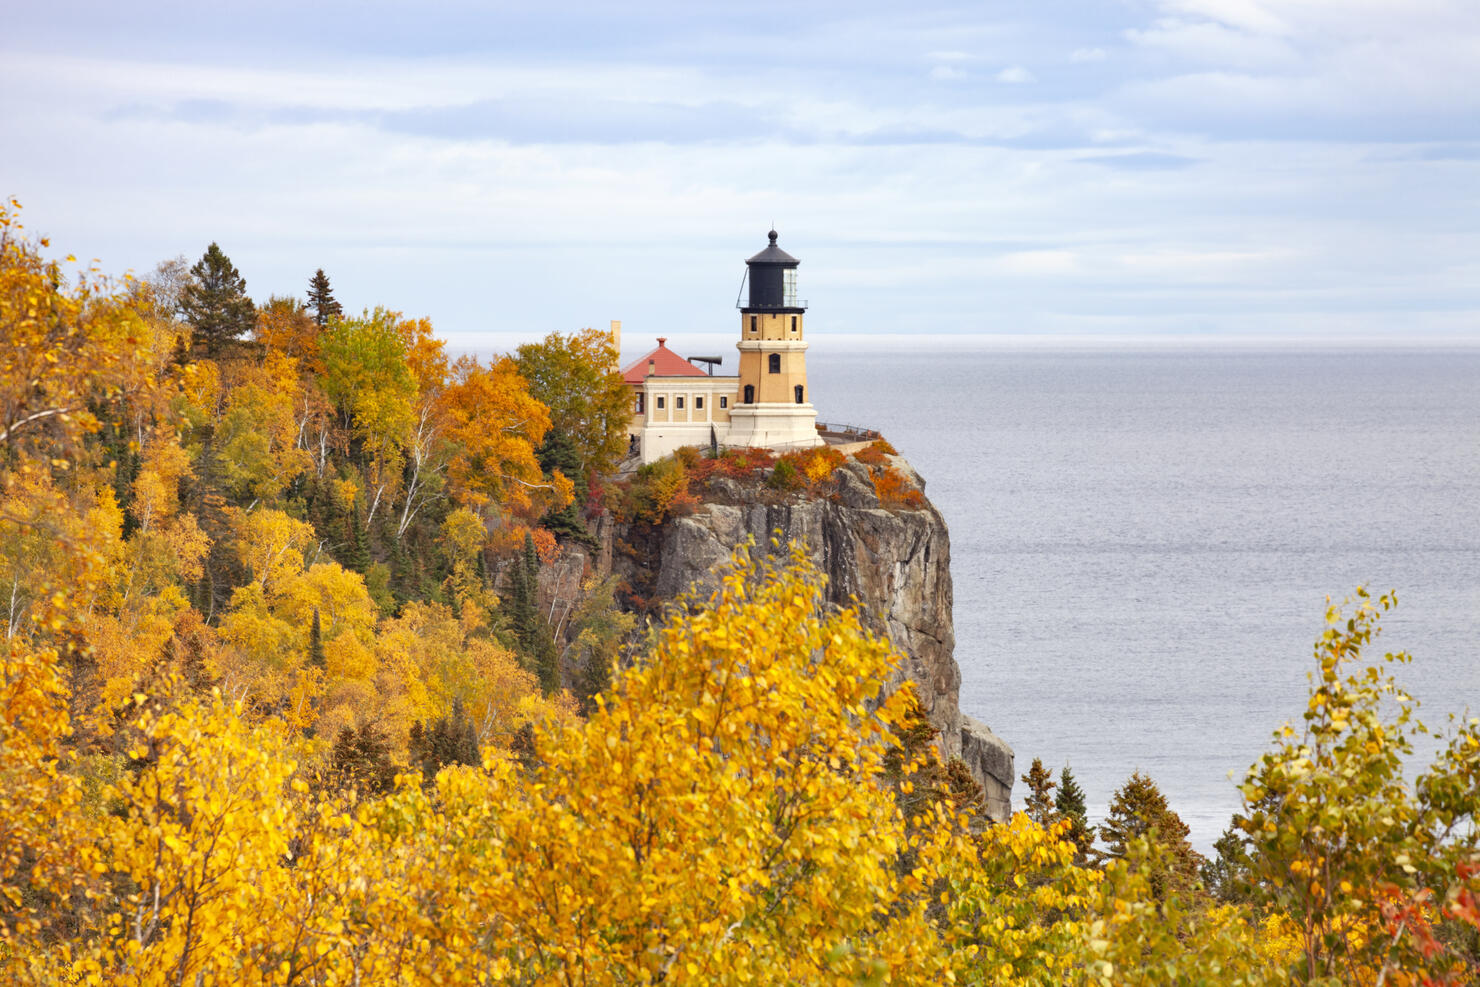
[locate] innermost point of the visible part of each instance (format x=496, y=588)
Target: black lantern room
x=772, y=275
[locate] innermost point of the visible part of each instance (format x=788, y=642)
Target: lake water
x=1144, y=536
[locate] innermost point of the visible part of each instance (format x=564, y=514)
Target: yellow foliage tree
x=494, y=426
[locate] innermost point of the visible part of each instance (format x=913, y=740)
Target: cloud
x=1451, y=152
x=556, y=170
x=1141, y=161
x=1210, y=43
x=1246, y=15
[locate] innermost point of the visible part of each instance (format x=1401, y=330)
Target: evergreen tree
x=361, y=760
x=451, y=740
x=1040, y=803
x=546, y=658
x=1069, y=802
x=558, y=452
x=1139, y=810
x=964, y=791
x=215, y=301
x=596, y=679
x=316, y=643
x=519, y=605
x=1229, y=876
x=533, y=640
x=356, y=552
x=321, y=298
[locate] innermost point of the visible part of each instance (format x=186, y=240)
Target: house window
x=637, y=409
x=749, y=394
x=798, y=390
x=793, y=323
x=752, y=323
x=698, y=404
x=775, y=363
x=678, y=403
x=660, y=403
x=724, y=402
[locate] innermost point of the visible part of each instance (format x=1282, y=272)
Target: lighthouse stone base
x=773, y=426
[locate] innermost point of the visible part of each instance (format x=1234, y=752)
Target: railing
x=789, y=303
x=854, y=432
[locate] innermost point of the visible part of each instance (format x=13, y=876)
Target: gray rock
x=894, y=565
x=990, y=760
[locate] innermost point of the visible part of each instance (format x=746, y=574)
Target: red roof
x=666, y=363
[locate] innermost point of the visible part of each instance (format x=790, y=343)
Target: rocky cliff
x=895, y=561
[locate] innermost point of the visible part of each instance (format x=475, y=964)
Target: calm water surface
x=1143, y=539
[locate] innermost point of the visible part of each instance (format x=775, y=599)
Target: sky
x=1226, y=168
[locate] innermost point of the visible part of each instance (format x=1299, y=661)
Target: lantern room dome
x=773, y=255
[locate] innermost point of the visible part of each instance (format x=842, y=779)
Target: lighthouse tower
x=773, y=408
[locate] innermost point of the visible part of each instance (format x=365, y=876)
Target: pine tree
x=321, y=298
x=558, y=452
x=356, y=552
x=1139, y=810
x=451, y=740
x=215, y=301
x=316, y=643
x=596, y=679
x=1229, y=876
x=1040, y=803
x=519, y=606
x=533, y=640
x=361, y=760
x=1069, y=803
x=547, y=662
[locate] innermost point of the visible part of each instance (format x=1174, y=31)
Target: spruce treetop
x=1040, y=803
x=215, y=301
x=321, y=298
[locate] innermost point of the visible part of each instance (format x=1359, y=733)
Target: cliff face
x=896, y=563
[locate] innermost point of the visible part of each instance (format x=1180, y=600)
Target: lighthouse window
x=775, y=363
x=798, y=390
x=793, y=323
x=790, y=287
x=750, y=394
x=752, y=323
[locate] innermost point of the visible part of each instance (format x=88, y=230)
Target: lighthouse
x=772, y=407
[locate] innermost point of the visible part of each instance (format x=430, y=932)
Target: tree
x=1069, y=803
x=532, y=635
x=369, y=377
x=316, y=642
x=1227, y=875
x=361, y=761
x=284, y=325
x=1040, y=802
x=321, y=299
x=451, y=740
x=598, y=628
x=1139, y=811
x=575, y=376
x=215, y=301
x=63, y=349
x=494, y=426
x=1366, y=864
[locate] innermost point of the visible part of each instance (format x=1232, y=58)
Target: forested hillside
x=277, y=705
